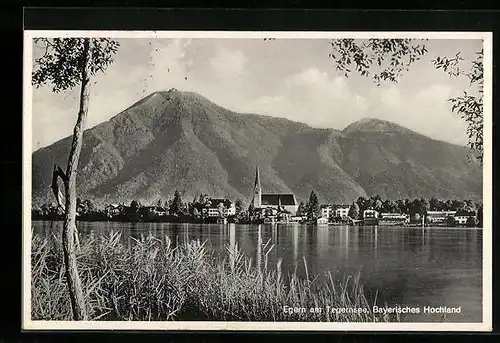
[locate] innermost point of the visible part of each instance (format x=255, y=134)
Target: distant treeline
x=170, y=210
x=177, y=209
x=415, y=208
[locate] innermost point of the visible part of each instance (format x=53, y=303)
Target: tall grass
x=151, y=280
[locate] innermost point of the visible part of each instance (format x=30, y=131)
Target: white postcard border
x=485, y=325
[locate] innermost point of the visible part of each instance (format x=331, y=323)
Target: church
x=272, y=203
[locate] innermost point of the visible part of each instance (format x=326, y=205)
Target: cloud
x=247, y=78
x=228, y=64
x=313, y=97
x=427, y=111
x=123, y=83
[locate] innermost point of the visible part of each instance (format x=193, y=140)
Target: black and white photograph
x=189, y=180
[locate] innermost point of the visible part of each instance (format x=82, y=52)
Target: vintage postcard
x=257, y=181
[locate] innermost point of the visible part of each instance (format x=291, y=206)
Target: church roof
x=257, y=178
x=278, y=199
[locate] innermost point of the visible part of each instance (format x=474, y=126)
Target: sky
x=291, y=78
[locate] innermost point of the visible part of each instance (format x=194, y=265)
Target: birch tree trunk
x=69, y=228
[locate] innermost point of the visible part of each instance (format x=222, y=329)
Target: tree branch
x=56, y=173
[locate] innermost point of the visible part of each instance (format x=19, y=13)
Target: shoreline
x=411, y=226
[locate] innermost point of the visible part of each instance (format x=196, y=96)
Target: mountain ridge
x=181, y=140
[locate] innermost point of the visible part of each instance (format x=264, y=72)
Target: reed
x=149, y=280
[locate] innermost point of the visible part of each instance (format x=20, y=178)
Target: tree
x=467, y=206
x=377, y=205
x=419, y=206
x=450, y=221
x=176, y=207
x=456, y=205
x=312, y=207
x=471, y=222
x=388, y=59
x=393, y=57
x=400, y=206
x=196, y=213
x=85, y=207
x=301, y=210
x=65, y=64
x=389, y=206
x=468, y=106
x=354, y=211
x=238, y=206
x=479, y=214
x=134, y=207
x=220, y=208
x=435, y=205
x=250, y=209
x=448, y=205
x=203, y=199
x=363, y=203
x=424, y=206
x=416, y=217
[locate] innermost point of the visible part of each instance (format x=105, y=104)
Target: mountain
x=180, y=140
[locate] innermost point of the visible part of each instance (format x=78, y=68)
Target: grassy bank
x=150, y=280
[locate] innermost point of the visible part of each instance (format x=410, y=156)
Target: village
x=280, y=208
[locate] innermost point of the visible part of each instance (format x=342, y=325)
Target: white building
x=322, y=221
x=395, y=217
x=370, y=214
x=325, y=211
x=335, y=211
x=213, y=212
x=435, y=217
x=216, y=206
x=342, y=212
x=461, y=217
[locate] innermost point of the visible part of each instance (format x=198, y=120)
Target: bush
x=471, y=222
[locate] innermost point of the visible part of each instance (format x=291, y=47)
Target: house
x=439, y=217
x=218, y=207
x=335, y=211
x=213, y=212
x=461, y=217
x=370, y=217
x=326, y=210
x=272, y=214
x=394, y=219
x=322, y=221
x=112, y=210
x=298, y=219
x=157, y=211
x=370, y=213
x=341, y=211
x=284, y=203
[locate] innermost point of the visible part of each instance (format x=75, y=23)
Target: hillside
x=180, y=140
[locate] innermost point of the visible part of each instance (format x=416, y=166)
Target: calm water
x=408, y=266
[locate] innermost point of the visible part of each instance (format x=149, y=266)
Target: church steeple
x=257, y=191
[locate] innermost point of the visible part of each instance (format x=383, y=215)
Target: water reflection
x=258, y=258
x=295, y=240
x=232, y=245
x=427, y=266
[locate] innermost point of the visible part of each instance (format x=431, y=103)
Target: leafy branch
x=61, y=63
x=392, y=57
x=469, y=107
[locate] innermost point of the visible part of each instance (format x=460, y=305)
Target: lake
x=408, y=266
